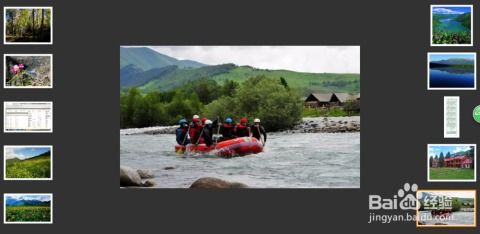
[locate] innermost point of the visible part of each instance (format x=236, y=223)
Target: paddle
x=218, y=131
x=186, y=135
x=260, y=134
x=198, y=140
x=184, y=139
x=200, y=136
x=196, y=143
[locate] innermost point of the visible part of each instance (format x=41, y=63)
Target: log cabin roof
x=330, y=97
x=343, y=97
x=321, y=97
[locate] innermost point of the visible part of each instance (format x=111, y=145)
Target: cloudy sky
x=437, y=149
x=454, y=193
x=446, y=56
x=333, y=59
x=24, y=152
x=450, y=10
x=29, y=197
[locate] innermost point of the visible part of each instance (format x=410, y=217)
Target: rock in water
x=215, y=183
x=149, y=183
x=130, y=178
x=144, y=174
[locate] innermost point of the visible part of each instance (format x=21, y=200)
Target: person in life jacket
x=242, y=129
x=208, y=131
x=227, y=130
x=181, y=132
x=196, y=129
x=258, y=130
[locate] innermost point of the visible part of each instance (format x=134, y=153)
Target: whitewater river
x=457, y=218
x=314, y=160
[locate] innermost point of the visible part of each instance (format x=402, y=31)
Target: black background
x=399, y=116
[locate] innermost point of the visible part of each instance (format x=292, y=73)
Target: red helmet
x=243, y=120
x=204, y=119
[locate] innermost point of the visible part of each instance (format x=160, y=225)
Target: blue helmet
x=228, y=120
x=182, y=122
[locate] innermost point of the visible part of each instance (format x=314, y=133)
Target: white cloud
x=29, y=197
x=11, y=152
x=317, y=59
x=446, y=11
x=436, y=150
x=460, y=149
x=432, y=151
x=459, y=193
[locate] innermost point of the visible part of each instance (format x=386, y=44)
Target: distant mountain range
x=149, y=70
x=430, y=196
x=455, y=61
x=21, y=202
x=144, y=58
x=45, y=155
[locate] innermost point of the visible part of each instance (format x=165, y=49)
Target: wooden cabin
x=318, y=100
x=325, y=100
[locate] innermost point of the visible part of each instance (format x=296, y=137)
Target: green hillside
x=181, y=76
x=303, y=82
x=149, y=70
x=465, y=19
x=146, y=59
x=36, y=167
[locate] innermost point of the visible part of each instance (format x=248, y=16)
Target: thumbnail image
x=28, y=71
x=446, y=208
x=28, y=117
x=452, y=71
x=451, y=116
x=451, y=25
x=28, y=208
x=240, y=116
x=452, y=162
x=28, y=25
x=28, y=162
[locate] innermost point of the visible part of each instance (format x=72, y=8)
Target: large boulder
x=215, y=183
x=130, y=177
x=145, y=174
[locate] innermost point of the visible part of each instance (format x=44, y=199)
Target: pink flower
x=21, y=66
x=15, y=69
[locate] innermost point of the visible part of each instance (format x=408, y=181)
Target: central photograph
x=240, y=117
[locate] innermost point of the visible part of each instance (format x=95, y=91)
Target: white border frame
x=26, y=43
x=26, y=146
x=445, y=135
x=452, y=180
x=474, y=225
x=453, y=53
x=5, y=119
x=5, y=70
x=431, y=25
x=41, y=194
